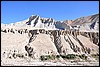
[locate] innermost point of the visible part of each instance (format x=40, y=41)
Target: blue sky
x=14, y=11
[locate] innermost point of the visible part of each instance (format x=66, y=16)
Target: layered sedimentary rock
x=66, y=41
x=45, y=36
x=88, y=23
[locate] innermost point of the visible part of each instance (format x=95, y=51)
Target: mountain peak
x=88, y=23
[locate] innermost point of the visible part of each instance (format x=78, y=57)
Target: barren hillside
x=39, y=39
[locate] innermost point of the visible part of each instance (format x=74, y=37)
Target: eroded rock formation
x=61, y=37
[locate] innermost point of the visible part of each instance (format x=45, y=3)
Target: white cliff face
x=45, y=23
x=36, y=22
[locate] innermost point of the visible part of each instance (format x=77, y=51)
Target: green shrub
x=45, y=57
x=49, y=57
x=70, y=56
x=63, y=56
x=52, y=57
x=57, y=56
x=95, y=55
x=83, y=56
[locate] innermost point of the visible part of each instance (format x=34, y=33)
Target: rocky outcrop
x=56, y=38
x=88, y=23
x=94, y=36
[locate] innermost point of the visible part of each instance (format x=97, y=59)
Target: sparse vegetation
x=49, y=57
x=96, y=56
x=58, y=56
x=69, y=56
x=83, y=56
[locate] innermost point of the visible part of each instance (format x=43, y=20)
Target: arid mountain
x=44, y=39
x=89, y=23
x=88, y=19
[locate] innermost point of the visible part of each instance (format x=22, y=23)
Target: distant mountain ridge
x=35, y=21
x=87, y=19
x=86, y=23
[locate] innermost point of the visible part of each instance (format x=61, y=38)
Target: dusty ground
x=24, y=62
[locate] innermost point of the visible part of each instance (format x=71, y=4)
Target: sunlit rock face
x=88, y=23
x=46, y=23
x=38, y=36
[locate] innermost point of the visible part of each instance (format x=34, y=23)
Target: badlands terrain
x=46, y=42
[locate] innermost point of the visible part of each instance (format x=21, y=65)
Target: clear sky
x=14, y=11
